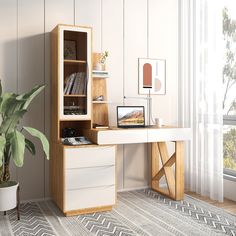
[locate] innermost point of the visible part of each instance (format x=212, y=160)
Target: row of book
x=75, y=83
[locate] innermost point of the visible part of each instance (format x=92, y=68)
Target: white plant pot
x=8, y=197
x=98, y=66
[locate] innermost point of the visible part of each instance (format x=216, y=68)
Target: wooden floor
x=227, y=205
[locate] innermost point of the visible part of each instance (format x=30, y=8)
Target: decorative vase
x=8, y=196
x=98, y=66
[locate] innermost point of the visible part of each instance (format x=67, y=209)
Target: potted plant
x=101, y=61
x=13, y=142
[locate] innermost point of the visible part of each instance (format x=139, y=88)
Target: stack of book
x=75, y=83
x=100, y=73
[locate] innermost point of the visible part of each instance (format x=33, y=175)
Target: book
x=82, y=85
x=69, y=82
x=75, y=85
x=66, y=84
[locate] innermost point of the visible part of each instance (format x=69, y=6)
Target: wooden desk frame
x=162, y=163
x=175, y=181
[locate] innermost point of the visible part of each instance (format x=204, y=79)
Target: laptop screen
x=130, y=116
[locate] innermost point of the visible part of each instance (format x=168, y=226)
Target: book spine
x=75, y=84
x=66, y=84
x=71, y=83
x=79, y=83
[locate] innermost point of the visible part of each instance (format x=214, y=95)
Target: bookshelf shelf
x=100, y=76
x=75, y=95
x=100, y=102
x=74, y=62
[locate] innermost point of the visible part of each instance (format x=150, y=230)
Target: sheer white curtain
x=200, y=99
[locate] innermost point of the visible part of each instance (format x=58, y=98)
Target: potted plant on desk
x=13, y=142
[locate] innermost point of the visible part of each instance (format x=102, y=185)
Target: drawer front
x=89, y=198
x=122, y=136
x=89, y=177
x=89, y=157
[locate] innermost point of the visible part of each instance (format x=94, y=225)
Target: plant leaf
x=10, y=123
x=8, y=100
x=28, y=97
x=0, y=87
x=17, y=147
x=30, y=146
x=36, y=133
x=2, y=147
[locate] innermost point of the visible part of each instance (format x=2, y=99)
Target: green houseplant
x=12, y=139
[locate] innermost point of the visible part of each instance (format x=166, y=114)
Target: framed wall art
x=70, y=50
x=152, y=76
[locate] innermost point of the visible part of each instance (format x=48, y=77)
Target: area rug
x=142, y=212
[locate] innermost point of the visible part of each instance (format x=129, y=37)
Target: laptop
x=130, y=116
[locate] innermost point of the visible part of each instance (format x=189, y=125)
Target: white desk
x=158, y=137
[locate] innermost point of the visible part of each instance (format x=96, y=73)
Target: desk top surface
x=114, y=135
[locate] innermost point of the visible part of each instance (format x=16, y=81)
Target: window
x=229, y=80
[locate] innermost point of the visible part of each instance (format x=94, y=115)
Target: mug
x=158, y=122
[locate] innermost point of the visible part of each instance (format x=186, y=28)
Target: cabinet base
x=88, y=210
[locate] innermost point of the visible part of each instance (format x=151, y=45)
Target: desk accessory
x=159, y=122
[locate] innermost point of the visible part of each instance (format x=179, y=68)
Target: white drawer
x=122, y=136
x=89, y=177
x=89, y=157
x=90, y=197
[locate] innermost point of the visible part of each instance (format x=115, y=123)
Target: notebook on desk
x=130, y=117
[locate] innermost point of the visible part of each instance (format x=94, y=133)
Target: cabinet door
x=74, y=73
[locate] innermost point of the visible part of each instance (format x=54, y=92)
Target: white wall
x=128, y=29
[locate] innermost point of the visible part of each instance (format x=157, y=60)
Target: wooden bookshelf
x=73, y=111
x=100, y=108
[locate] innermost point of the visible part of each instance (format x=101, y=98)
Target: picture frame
x=70, y=49
x=152, y=76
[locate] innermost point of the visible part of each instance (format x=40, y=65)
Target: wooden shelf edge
x=74, y=61
x=100, y=77
x=100, y=102
x=74, y=95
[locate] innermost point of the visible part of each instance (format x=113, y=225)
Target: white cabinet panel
x=89, y=157
x=89, y=177
x=90, y=197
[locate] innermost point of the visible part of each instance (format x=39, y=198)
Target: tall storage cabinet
x=82, y=177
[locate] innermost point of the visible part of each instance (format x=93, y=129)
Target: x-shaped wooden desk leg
x=174, y=178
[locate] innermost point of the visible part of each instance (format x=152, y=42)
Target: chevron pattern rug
x=142, y=212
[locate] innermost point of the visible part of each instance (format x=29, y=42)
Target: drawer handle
x=102, y=186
